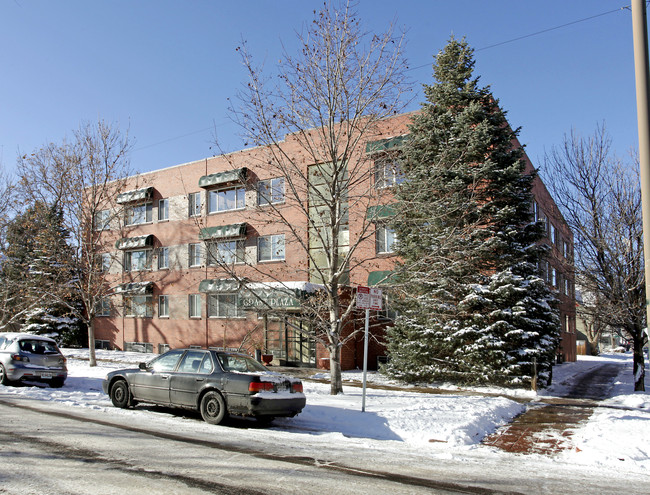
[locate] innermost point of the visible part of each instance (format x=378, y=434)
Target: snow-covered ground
x=617, y=435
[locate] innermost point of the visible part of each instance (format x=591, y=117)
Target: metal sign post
x=367, y=299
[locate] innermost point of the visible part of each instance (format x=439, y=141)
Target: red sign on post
x=368, y=298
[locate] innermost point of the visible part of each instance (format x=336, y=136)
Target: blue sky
x=165, y=69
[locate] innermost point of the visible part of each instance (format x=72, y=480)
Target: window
x=387, y=172
x=270, y=248
x=102, y=220
x=194, y=301
x=566, y=250
x=167, y=362
x=226, y=252
x=226, y=199
x=386, y=313
x=105, y=262
x=138, y=214
x=194, y=206
x=385, y=240
x=104, y=307
x=553, y=277
x=223, y=306
x=163, y=306
x=137, y=260
x=196, y=362
x=554, y=234
x=194, y=255
x=163, y=258
x=163, y=210
x=270, y=191
x=139, y=306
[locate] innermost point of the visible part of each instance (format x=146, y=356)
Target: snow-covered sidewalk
x=617, y=435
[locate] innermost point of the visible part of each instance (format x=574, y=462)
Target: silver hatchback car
x=27, y=357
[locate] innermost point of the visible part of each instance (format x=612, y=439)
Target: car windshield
x=38, y=347
x=237, y=362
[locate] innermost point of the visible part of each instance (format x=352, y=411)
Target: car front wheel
x=213, y=408
x=120, y=394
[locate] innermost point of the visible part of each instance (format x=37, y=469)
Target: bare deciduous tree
x=82, y=178
x=600, y=198
x=330, y=99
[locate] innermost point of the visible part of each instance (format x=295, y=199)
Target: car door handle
x=164, y=377
x=200, y=379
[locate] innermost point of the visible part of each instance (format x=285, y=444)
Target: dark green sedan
x=215, y=383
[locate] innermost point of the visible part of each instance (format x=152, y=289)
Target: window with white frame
x=163, y=258
x=140, y=306
x=194, y=204
x=226, y=252
x=138, y=214
x=270, y=248
x=385, y=239
x=270, y=191
x=553, y=277
x=137, y=260
x=102, y=220
x=105, y=262
x=194, y=254
x=163, y=306
x=387, y=172
x=104, y=307
x=233, y=198
x=163, y=210
x=223, y=306
x=194, y=303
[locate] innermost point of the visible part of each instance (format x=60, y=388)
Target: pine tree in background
x=472, y=308
x=38, y=265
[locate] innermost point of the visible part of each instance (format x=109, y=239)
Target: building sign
x=268, y=299
x=369, y=298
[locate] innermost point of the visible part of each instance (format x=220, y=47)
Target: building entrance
x=290, y=341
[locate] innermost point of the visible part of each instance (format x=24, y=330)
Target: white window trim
x=269, y=201
x=212, y=195
x=164, y=297
x=197, y=297
x=273, y=259
x=215, y=297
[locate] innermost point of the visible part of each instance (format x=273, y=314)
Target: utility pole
x=640, y=34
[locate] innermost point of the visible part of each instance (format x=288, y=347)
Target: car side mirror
x=143, y=366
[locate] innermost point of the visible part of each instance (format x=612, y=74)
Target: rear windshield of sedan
x=234, y=362
x=38, y=347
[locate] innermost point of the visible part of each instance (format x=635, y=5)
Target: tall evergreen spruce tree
x=39, y=264
x=472, y=308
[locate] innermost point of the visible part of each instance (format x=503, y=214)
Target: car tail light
x=260, y=387
x=19, y=357
x=296, y=387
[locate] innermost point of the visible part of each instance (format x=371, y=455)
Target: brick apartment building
x=170, y=292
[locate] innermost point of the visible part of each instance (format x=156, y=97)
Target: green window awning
x=144, y=194
x=135, y=288
x=139, y=242
x=381, y=278
x=219, y=285
x=386, y=144
x=381, y=212
x=223, y=231
x=236, y=175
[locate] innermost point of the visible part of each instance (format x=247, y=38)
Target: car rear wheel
x=120, y=395
x=3, y=376
x=213, y=408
